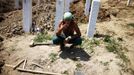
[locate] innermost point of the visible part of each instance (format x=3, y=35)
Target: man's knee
x=78, y=41
x=57, y=40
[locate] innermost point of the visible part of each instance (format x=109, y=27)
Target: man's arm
x=60, y=28
x=77, y=30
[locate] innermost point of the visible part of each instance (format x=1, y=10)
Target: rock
x=1, y=19
x=1, y=38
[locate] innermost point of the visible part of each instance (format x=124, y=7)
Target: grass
x=107, y=39
x=53, y=57
x=78, y=66
x=131, y=25
x=42, y=37
x=105, y=63
x=90, y=43
x=66, y=73
x=113, y=46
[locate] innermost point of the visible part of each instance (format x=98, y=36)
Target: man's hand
x=67, y=39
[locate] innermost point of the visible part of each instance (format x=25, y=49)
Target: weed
x=78, y=65
x=66, y=72
x=42, y=37
x=53, y=57
x=95, y=41
x=104, y=63
x=113, y=46
x=131, y=25
x=90, y=43
x=107, y=39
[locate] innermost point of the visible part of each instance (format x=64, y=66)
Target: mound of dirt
x=43, y=15
x=79, y=15
x=6, y=5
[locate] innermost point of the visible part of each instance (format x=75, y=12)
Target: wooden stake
x=25, y=61
x=17, y=65
x=38, y=72
x=37, y=65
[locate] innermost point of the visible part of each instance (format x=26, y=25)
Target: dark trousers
x=60, y=40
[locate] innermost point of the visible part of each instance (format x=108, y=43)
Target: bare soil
x=114, y=20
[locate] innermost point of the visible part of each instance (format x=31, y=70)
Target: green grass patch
x=104, y=63
x=113, y=46
x=90, y=43
x=42, y=37
x=107, y=39
x=131, y=25
x=53, y=57
x=78, y=66
x=66, y=73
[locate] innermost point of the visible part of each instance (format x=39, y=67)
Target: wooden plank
x=33, y=71
x=25, y=61
x=18, y=64
x=37, y=72
x=37, y=65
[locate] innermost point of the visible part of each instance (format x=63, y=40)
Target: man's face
x=67, y=23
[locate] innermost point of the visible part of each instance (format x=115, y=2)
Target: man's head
x=67, y=16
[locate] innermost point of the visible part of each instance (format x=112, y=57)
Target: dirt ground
x=115, y=19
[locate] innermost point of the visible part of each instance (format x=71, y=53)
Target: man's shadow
x=75, y=54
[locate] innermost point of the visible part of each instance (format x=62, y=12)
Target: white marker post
x=59, y=12
x=67, y=5
x=87, y=7
x=62, y=6
x=93, y=18
x=27, y=15
x=17, y=6
x=128, y=2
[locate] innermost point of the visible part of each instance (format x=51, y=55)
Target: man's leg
x=59, y=40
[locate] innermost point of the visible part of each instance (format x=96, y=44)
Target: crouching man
x=68, y=32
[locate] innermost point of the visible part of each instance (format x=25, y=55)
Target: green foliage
x=131, y=25
x=78, y=65
x=95, y=42
x=53, y=57
x=107, y=39
x=113, y=46
x=105, y=63
x=89, y=44
x=42, y=37
x=66, y=73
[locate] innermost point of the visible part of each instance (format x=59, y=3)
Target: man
x=68, y=32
